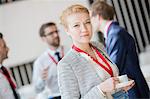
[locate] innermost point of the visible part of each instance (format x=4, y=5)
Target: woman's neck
x=86, y=48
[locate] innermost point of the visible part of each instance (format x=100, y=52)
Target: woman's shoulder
x=68, y=62
x=69, y=58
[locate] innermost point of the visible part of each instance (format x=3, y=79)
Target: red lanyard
x=53, y=59
x=8, y=77
x=109, y=69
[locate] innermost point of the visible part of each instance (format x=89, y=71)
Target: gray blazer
x=77, y=78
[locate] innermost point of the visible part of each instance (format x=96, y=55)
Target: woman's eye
x=89, y=22
x=76, y=25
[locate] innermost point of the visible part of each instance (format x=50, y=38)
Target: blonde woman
x=85, y=72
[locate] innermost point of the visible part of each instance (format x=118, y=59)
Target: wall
x=20, y=22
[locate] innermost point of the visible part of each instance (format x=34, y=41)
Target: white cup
x=123, y=78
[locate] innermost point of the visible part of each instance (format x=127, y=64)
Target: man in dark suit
x=120, y=46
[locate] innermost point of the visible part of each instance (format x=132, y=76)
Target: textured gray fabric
x=77, y=78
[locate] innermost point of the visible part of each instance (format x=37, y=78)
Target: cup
x=123, y=78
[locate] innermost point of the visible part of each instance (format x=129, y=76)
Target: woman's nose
x=83, y=27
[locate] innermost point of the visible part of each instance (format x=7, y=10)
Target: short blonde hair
x=70, y=10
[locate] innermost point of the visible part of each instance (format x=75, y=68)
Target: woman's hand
x=109, y=84
x=129, y=86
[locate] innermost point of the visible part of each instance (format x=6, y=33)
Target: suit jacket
x=78, y=79
x=121, y=48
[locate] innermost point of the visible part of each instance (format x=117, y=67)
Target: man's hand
x=45, y=73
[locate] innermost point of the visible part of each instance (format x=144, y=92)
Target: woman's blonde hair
x=77, y=8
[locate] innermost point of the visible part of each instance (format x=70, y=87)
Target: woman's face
x=79, y=27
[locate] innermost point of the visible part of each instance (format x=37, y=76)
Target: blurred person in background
x=120, y=46
x=7, y=84
x=45, y=66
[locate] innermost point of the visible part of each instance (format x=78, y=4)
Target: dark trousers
x=59, y=97
x=120, y=95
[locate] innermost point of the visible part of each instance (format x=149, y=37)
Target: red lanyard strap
x=109, y=69
x=7, y=75
x=53, y=59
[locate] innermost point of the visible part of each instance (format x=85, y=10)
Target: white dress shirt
x=5, y=88
x=42, y=62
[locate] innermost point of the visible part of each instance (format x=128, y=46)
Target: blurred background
x=20, y=21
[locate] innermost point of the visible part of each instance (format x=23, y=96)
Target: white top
x=51, y=85
x=5, y=88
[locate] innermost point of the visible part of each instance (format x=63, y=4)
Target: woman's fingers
x=115, y=81
x=129, y=87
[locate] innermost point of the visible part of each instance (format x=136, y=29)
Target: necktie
x=12, y=84
x=58, y=56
